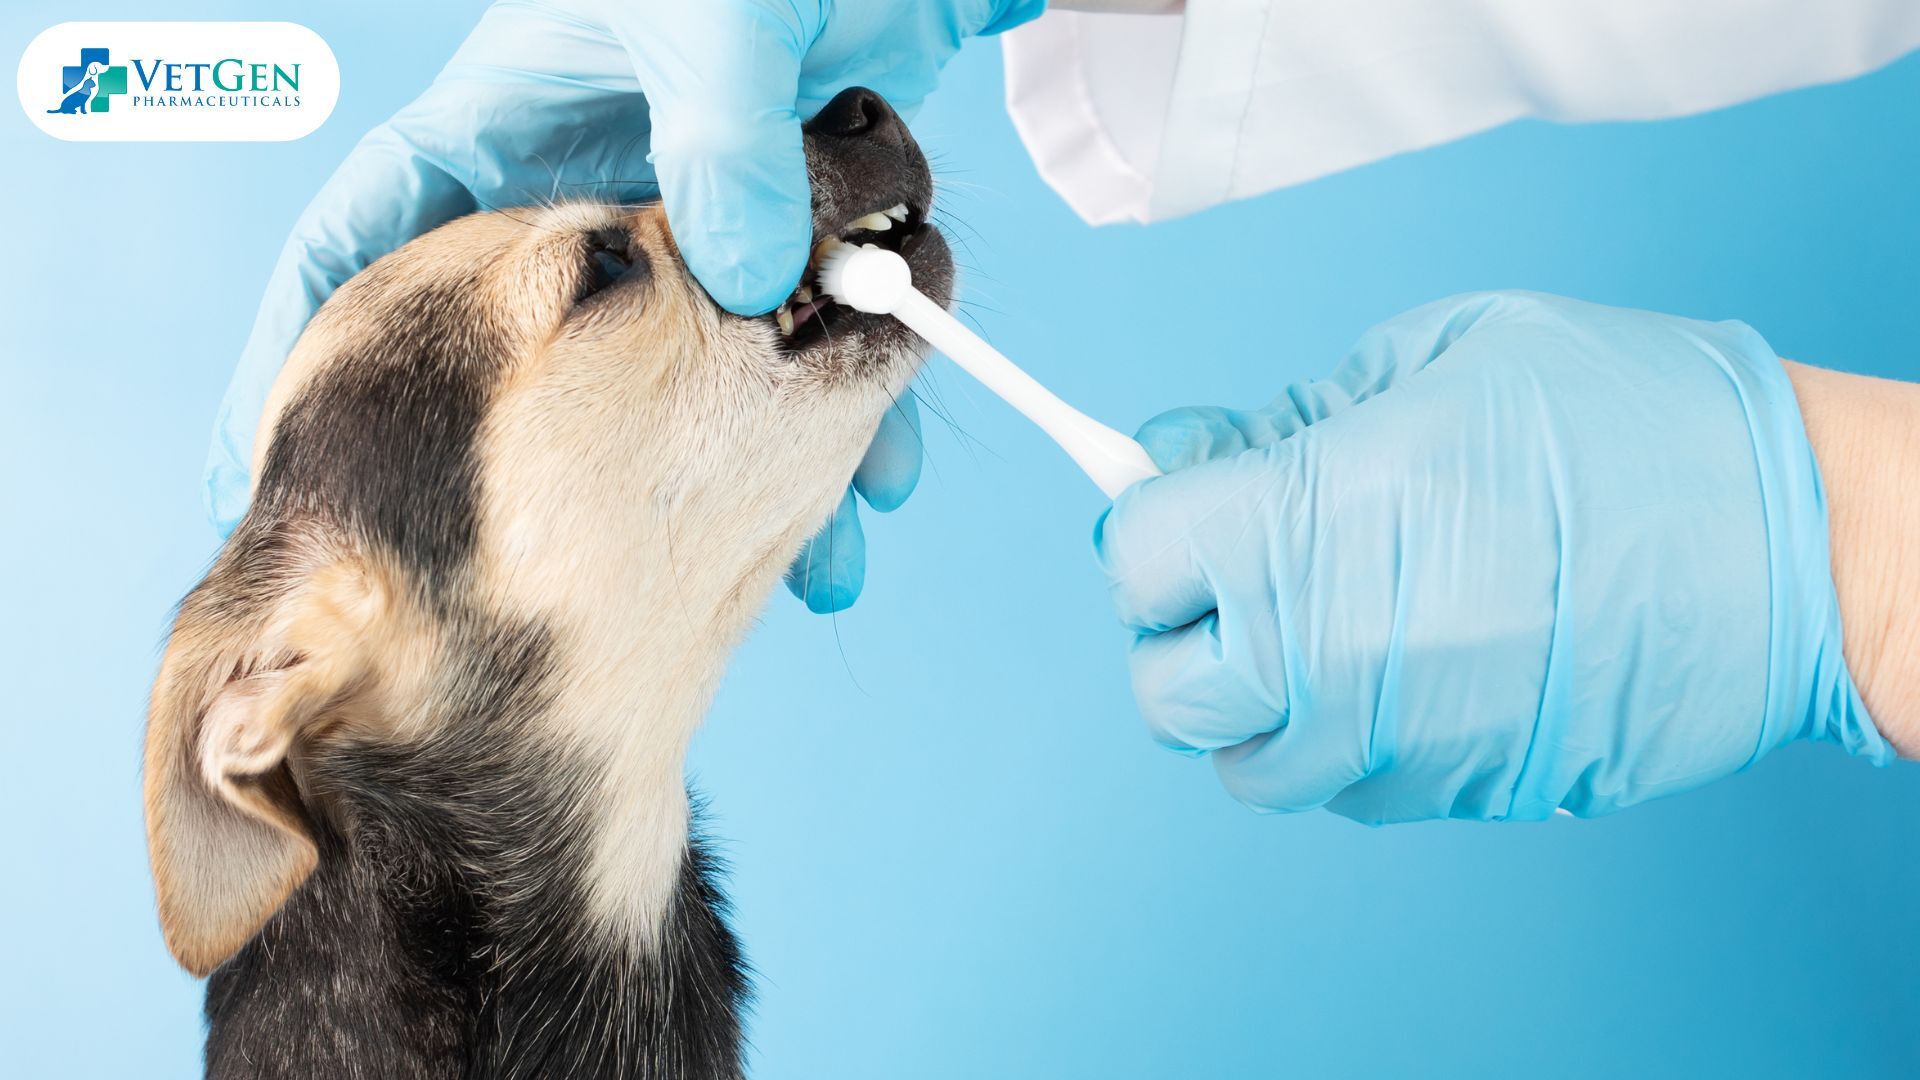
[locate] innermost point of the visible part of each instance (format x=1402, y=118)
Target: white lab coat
x=1146, y=117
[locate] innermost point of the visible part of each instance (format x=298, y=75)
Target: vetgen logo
x=178, y=81
x=89, y=86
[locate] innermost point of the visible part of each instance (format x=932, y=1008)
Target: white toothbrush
x=877, y=281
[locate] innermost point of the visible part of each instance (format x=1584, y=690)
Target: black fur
x=443, y=933
x=384, y=446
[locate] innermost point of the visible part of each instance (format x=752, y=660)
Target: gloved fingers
x=1008, y=14
x=897, y=50
x=891, y=467
x=1183, y=437
x=832, y=566
x=1301, y=766
x=1395, y=351
x=1204, y=685
x=540, y=104
x=1384, y=357
x=1221, y=685
x=1173, y=545
x=726, y=140
x=514, y=139
x=546, y=46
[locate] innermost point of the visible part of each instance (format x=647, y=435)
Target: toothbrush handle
x=1111, y=460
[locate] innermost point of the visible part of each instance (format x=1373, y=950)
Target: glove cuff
x=1810, y=693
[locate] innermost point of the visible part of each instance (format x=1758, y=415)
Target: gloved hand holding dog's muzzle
x=698, y=103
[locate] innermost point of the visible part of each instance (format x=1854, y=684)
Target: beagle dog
x=414, y=787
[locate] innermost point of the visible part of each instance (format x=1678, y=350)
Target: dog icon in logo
x=89, y=86
x=80, y=98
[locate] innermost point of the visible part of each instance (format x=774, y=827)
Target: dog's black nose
x=858, y=112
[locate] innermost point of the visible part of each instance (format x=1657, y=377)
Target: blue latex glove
x=545, y=101
x=1518, y=553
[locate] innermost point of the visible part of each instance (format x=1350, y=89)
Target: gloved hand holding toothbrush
x=1518, y=553
x=607, y=99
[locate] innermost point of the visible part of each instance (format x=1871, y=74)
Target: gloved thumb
x=726, y=144
x=831, y=568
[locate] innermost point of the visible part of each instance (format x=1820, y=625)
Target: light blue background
x=955, y=852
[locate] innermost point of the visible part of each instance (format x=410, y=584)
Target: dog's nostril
x=857, y=111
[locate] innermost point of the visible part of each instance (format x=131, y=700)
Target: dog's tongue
x=806, y=311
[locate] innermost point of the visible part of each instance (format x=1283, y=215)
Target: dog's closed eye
x=610, y=258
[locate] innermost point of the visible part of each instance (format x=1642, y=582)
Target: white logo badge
x=178, y=81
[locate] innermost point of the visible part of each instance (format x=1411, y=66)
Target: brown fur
x=508, y=522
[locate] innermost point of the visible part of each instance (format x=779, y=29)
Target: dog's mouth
x=808, y=316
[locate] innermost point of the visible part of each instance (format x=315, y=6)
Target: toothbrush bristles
x=833, y=263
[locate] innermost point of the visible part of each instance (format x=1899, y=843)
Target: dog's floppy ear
x=262, y=650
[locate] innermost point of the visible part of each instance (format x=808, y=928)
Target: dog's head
x=531, y=425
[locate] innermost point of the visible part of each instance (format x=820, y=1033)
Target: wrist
x=1865, y=434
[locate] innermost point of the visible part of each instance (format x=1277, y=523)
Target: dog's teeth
x=785, y=318
x=803, y=294
x=897, y=212
x=877, y=221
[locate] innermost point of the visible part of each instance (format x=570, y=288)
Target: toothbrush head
x=867, y=278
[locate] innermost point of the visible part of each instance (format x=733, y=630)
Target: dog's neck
x=629, y=686
x=644, y=600
x=463, y=913
x=630, y=713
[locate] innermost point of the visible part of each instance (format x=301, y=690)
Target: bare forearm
x=1866, y=436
